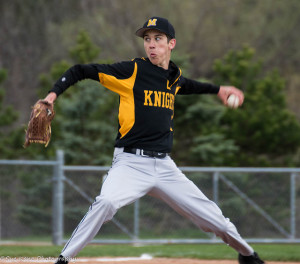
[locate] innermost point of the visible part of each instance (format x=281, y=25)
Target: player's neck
x=164, y=64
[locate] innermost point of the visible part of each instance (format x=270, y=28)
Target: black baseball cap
x=158, y=23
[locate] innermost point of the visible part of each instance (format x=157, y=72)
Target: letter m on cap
x=152, y=22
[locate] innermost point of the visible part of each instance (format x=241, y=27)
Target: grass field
x=277, y=252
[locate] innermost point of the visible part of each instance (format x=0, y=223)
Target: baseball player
x=141, y=164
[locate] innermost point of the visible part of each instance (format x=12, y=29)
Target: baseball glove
x=39, y=125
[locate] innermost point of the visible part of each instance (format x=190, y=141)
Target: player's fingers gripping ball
x=39, y=125
x=231, y=96
x=233, y=101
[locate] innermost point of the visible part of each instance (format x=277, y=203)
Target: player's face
x=158, y=48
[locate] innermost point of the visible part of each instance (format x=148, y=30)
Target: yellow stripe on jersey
x=123, y=87
x=177, y=89
x=175, y=80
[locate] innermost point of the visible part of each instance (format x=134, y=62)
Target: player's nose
x=152, y=44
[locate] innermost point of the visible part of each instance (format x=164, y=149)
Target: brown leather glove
x=39, y=125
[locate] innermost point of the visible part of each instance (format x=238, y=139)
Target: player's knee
x=108, y=203
x=105, y=204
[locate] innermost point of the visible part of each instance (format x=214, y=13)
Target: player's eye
x=158, y=38
x=147, y=39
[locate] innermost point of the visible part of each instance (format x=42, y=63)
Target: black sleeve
x=73, y=75
x=90, y=71
x=189, y=86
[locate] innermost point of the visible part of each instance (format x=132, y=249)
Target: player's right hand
x=226, y=91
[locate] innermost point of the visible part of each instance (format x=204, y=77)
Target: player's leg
x=125, y=183
x=185, y=197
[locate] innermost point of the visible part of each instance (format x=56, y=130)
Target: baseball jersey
x=147, y=95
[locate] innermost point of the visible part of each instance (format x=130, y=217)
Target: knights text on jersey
x=147, y=95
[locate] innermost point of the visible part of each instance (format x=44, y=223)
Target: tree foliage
x=86, y=119
x=264, y=128
x=198, y=141
x=82, y=128
x=11, y=139
x=35, y=34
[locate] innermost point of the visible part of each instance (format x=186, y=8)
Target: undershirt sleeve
x=91, y=71
x=189, y=86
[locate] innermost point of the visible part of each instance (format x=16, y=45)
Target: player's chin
x=154, y=60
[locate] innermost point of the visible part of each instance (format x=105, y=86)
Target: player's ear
x=172, y=43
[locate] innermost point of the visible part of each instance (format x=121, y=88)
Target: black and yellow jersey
x=147, y=95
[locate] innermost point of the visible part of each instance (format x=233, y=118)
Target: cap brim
x=140, y=32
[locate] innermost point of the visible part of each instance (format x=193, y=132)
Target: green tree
x=265, y=131
x=197, y=127
x=83, y=126
x=198, y=139
x=11, y=139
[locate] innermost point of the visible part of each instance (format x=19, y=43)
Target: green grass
x=277, y=252
x=36, y=238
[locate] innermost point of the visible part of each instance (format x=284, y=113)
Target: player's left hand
x=226, y=91
x=50, y=98
x=39, y=125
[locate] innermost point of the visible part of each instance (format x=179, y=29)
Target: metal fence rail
x=285, y=230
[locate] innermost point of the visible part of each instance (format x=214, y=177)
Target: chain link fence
x=25, y=200
x=46, y=200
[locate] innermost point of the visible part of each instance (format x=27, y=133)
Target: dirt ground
x=145, y=260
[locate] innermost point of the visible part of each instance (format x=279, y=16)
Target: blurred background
x=251, y=44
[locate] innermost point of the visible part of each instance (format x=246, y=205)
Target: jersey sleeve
x=121, y=70
x=189, y=86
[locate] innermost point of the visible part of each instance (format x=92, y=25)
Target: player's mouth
x=152, y=54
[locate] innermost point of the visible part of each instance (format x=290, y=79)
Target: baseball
x=233, y=101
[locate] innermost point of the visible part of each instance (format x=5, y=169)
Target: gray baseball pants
x=133, y=176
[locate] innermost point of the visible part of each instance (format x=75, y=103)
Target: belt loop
x=142, y=153
x=118, y=150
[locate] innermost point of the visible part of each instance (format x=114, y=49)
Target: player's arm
x=189, y=86
x=194, y=87
x=70, y=77
x=87, y=71
x=73, y=75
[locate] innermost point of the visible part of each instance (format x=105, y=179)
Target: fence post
x=136, y=219
x=0, y=217
x=293, y=205
x=58, y=200
x=216, y=187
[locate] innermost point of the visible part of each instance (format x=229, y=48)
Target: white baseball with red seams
x=233, y=101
